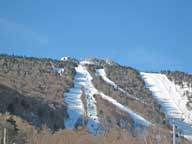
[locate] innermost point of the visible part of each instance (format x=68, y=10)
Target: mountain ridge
x=111, y=94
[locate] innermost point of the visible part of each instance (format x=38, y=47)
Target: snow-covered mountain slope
x=185, y=90
x=58, y=70
x=99, y=96
x=102, y=73
x=77, y=110
x=167, y=93
x=91, y=107
x=74, y=101
x=138, y=120
x=169, y=96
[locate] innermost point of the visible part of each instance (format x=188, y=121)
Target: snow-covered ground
x=169, y=96
x=92, y=90
x=58, y=70
x=185, y=90
x=83, y=83
x=64, y=58
x=101, y=72
x=75, y=106
x=86, y=62
x=89, y=91
x=138, y=120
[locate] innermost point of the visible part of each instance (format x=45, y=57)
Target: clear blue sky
x=145, y=34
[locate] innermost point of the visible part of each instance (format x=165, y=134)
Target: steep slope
x=75, y=106
x=138, y=120
x=33, y=88
x=171, y=101
x=83, y=81
x=101, y=72
x=45, y=100
x=126, y=86
x=183, y=82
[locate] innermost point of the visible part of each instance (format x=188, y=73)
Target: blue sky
x=145, y=34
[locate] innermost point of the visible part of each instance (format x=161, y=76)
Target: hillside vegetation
x=33, y=109
x=32, y=89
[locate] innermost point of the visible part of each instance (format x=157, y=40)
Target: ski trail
x=173, y=105
x=166, y=93
x=101, y=72
x=75, y=108
x=138, y=120
x=91, y=108
x=75, y=105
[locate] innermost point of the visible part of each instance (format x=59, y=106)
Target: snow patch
x=101, y=72
x=58, y=70
x=86, y=62
x=64, y=58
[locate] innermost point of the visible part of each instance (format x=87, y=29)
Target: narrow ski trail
x=102, y=73
x=138, y=120
x=75, y=108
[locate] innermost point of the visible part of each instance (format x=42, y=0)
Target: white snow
x=183, y=90
x=89, y=90
x=86, y=62
x=185, y=129
x=171, y=100
x=101, y=72
x=75, y=105
x=75, y=108
x=109, y=62
x=83, y=83
x=64, y=58
x=139, y=120
x=58, y=70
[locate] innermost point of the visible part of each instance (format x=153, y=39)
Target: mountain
x=91, y=101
